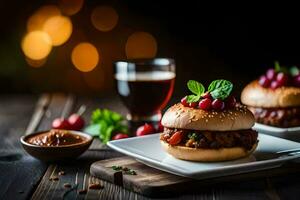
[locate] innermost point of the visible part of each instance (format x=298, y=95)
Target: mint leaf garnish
x=197, y=88
x=294, y=71
x=193, y=98
x=220, y=89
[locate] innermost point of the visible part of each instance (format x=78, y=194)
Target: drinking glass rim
x=147, y=61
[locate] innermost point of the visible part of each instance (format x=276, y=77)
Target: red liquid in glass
x=145, y=93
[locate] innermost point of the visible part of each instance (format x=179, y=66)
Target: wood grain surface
x=23, y=177
x=155, y=183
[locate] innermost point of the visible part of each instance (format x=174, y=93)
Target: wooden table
x=23, y=177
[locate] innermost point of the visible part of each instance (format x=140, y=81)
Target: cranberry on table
x=282, y=78
x=120, y=136
x=145, y=130
x=264, y=81
x=271, y=74
x=230, y=102
x=218, y=104
x=76, y=122
x=60, y=123
x=205, y=104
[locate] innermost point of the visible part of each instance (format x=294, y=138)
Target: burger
x=209, y=126
x=274, y=98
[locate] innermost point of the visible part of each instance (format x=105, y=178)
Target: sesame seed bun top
x=179, y=116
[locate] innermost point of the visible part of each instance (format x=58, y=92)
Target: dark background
x=237, y=42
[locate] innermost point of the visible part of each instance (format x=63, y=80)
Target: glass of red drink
x=145, y=86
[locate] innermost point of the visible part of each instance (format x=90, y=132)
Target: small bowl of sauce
x=56, y=145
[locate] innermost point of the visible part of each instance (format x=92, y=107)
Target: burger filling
x=210, y=139
x=280, y=117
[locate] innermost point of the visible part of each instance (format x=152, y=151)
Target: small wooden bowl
x=56, y=153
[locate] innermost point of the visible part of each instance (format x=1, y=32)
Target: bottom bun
x=207, y=155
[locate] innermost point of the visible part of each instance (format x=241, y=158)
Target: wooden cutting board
x=155, y=183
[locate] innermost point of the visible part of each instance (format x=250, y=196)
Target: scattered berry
x=205, y=104
x=120, y=136
x=218, y=104
x=145, y=130
x=60, y=123
x=76, y=122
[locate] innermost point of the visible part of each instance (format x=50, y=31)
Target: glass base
x=150, y=118
x=135, y=121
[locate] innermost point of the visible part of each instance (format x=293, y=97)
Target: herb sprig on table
x=104, y=123
x=126, y=170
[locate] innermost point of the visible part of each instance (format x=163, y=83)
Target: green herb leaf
x=277, y=66
x=121, y=128
x=220, y=89
x=193, y=136
x=105, y=132
x=96, y=116
x=196, y=87
x=104, y=123
x=294, y=71
x=126, y=170
x=130, y=172
x=93, y=129
x=116, y=117
x=193, y=98
x=117, y=167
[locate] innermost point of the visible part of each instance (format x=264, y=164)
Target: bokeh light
x=141, y=45
x=104, y=18
x=85, y=57
x=59, y=28
x=37, y=20
x=70, y=7
x=36, y=45
x=36, y=63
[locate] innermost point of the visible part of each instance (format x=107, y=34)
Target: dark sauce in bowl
x=56, y=138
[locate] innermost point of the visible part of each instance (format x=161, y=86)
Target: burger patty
x=280, y=117
x=212, y=139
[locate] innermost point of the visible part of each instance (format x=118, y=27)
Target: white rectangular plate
x=148, y=150
x=292, y=133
